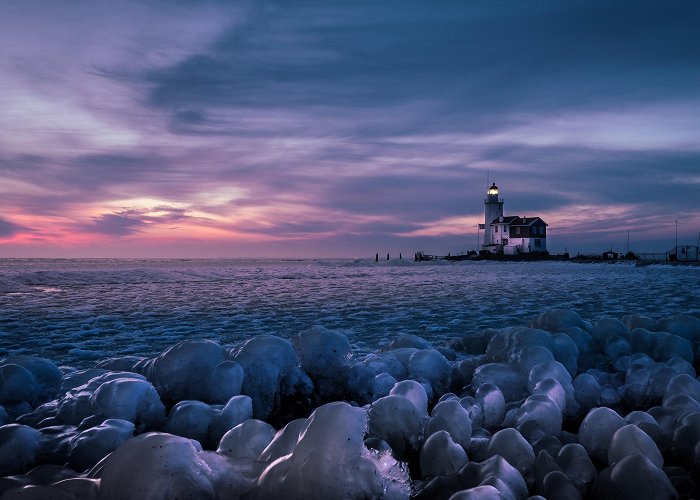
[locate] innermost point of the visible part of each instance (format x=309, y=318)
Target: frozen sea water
x=78, y=311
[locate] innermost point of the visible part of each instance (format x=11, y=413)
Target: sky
x=330, y=128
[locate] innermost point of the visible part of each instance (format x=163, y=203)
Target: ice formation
x=563, y=408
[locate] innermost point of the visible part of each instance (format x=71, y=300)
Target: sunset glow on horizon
x=341, y=129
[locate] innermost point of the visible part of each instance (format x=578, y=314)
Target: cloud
x=8, y=228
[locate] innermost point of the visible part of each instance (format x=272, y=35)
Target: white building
x=684, y=253
x=510, y=235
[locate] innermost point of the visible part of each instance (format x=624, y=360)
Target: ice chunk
x=225, y=382
x=531, y=355
x=325, y=355
x=511, y=445
x=19, y=446
x=631, y=439
x=183, y=371
x=636, y=320
x=95, y=443
x=331, y=461
x=556, y=485
x=130, y=399
x=284, y=441
x=440, y=455
x=493, y=404
x=382, y=385
x=566, y=352
x=586, y=391
x=414, y=392
x=473, y=407
x=495, y=471
x=45, y=372
x=510, y=381
x=608, y=328
x=557, y=320
x=396, y=420
x=596, y=431
x=205, y=423
x=686, y=437
x=683, y=384
x=683, y=325
x=542, y=416
x=266, y=361
x=430, y=366
x=451, y=416
x=247, y=440
x=407, y=340
x=17, y=385
x=553, y=390
x=632, y=478
x=577, y=465
x=157, y=466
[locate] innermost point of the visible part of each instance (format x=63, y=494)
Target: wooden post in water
x=400, y=257
x=376, y=257
x=387, y=256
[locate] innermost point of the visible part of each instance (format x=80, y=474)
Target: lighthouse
x=493, y=209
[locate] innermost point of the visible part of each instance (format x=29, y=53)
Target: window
x=517, y=230
x=538, y=243
x=496, y=229
x=505, y=241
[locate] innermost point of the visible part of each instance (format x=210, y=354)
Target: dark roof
x=515, y=220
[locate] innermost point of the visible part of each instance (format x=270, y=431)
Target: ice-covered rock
x=511, y=382
x=225, y=382
x=183, y=371
x=633, y=477
x=451, y=416
x=539, y=416
x=325, y=355
x=396, y=420
x=631, y=439
x=331, y=461
x=19, y=446
x=586, y=391
x=440, y=455
x=512, y=446
x=573, y=461
x=17, y=385
x=607, y=328
x=247, y=440
x=95, y=443
x=129, y=399
x=266, y=360
x=206, y=423
x=427, y=365
x=557, y=486
x=495, y=472
x=566, y=352
x=414, y=392
x=284, y=441
x=683, y=325
x=557, y=320
x=493, y=404
x=47, y=376
x=156, y=466
x=597, y=430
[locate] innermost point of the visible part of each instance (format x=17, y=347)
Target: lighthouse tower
x=493, y=209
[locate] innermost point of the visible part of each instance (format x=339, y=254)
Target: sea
x=78, y=311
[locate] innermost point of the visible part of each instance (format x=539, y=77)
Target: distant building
x=684, y=253
x=510, y=235
x=611, y=255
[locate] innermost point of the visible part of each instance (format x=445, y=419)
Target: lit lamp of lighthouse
x=493, y=190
